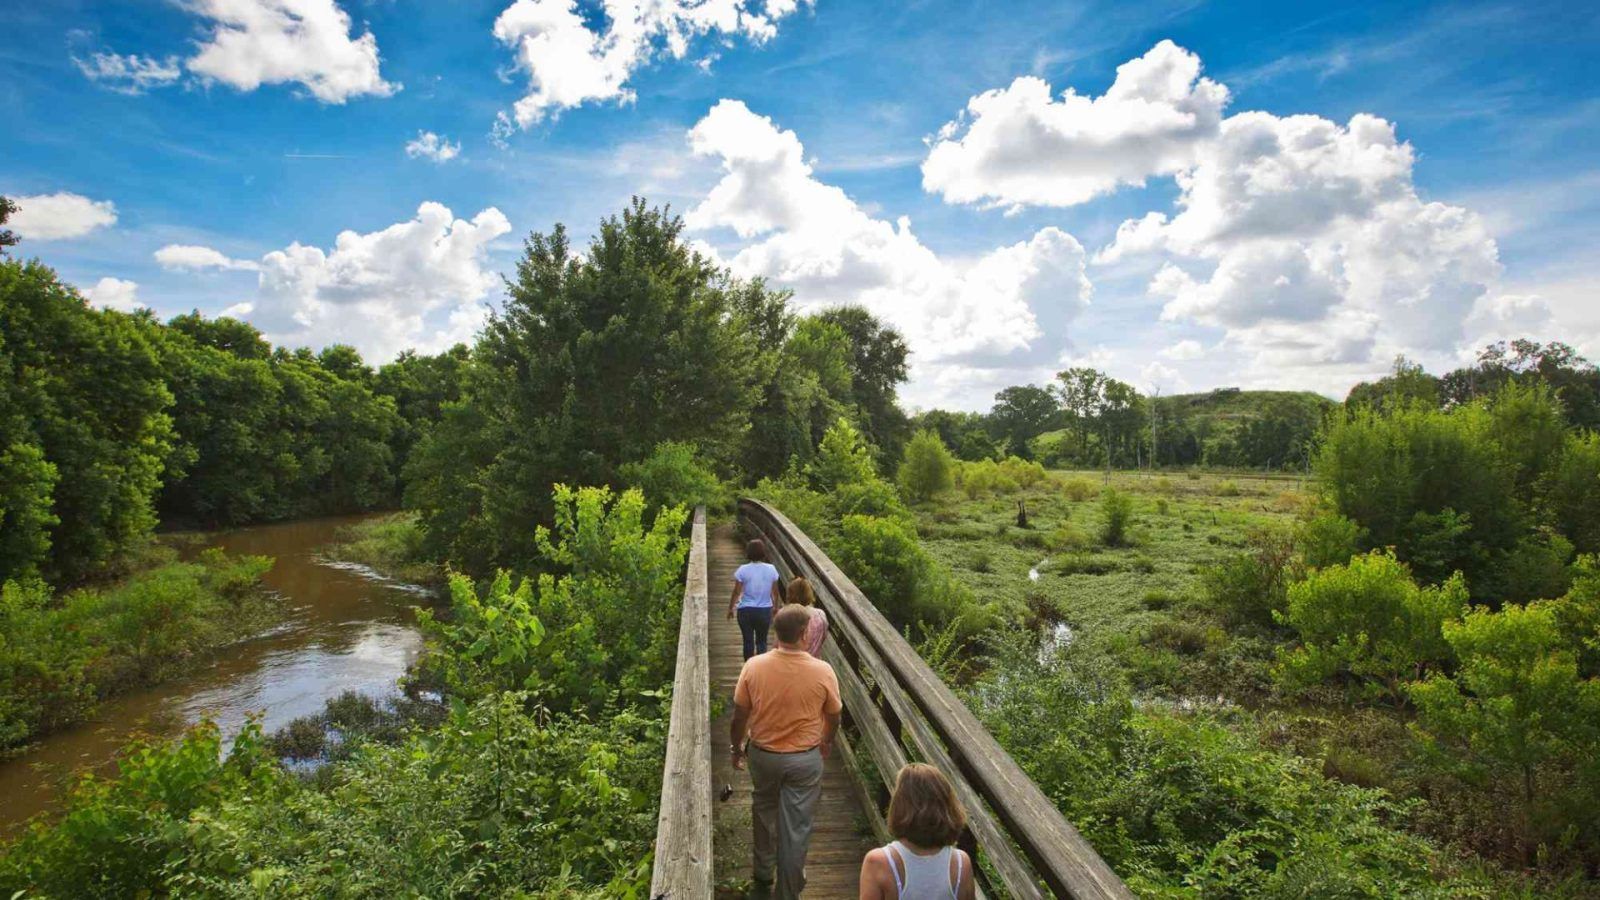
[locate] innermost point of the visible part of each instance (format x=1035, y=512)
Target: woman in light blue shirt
x=755, y=593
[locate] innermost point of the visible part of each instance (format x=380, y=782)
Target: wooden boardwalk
x=840, y=837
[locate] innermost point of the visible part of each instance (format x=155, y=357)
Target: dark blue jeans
x=753, y=624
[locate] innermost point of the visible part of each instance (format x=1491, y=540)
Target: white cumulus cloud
x=114, y=293
x=1018, y=146
x=306, y=42
x=428, y=145
x=804, y=234
x=131, y=74
x=1303, y=240
x=254, y=42
x=190, y=257
x=58, y=216
x=569, y=64
x=419, y=283
x=1184, y=350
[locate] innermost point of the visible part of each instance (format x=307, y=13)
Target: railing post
x=683, y=864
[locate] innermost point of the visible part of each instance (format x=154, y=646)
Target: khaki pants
x=787, y=786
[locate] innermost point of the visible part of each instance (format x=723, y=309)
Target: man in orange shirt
x=788, y=702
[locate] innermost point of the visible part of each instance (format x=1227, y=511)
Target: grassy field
x=1139, y=600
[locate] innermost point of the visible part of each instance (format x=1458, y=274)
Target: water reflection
x=346, y=628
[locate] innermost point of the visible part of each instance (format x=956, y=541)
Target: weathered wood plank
x=1067, y=864
x=683, y=865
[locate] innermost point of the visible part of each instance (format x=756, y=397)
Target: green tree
x=595, y=360
x=927, y=469
x=843, y=458
x=1021, y=414
x=1516, y=711
x=1082, y=393
x=8, y=238
x=878, y=356
x=85, y=390
x=1368, y=621
x=674, y=474
x=1569, y=494
x=1406, y=383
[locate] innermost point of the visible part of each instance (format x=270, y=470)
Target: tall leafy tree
x=597, y=358
x=8, y=238
x=83, y=395
x=878, y=356
x=1022, y=413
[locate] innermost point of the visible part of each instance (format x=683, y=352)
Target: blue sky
x=1294, y=252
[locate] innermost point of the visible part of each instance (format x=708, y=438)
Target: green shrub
x=1227, y=488
x=981, y=561
x=116, y=835
x=1078, y=489
x=1370, y=622
x=609, y=622
x=392, y=545
x=885, y=560
x=928, y=468
x=1184, y=637
x=1023, y=472
x=1252, y=587
x=675, y=474
x=1183, y=804
x=1157, y=600
x=1518, y=715
x=1328, y=539
x=1116, y=511
x=59, y=655
x=1067, y=537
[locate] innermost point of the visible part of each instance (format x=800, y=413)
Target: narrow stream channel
x=345, y=629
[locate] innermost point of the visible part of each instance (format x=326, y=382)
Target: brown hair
x=790, y=623
x=755, y=551
x=924, y=809
x=799, y=591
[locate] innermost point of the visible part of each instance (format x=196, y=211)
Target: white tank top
x=925, y=877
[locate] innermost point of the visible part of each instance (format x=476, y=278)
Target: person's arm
x=874, y=874
x=777, y=595
x=733, y=602
x=967, y=889
x=830, y=724
x=736, y=734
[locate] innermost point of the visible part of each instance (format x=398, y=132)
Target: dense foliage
x=84, y=425
x=545, y=790
x=1487, y=488
x=109, y=420
x=60, y=654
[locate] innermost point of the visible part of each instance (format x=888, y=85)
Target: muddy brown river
x=345, y=628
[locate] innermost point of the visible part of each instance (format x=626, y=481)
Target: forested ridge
x=1432, y=595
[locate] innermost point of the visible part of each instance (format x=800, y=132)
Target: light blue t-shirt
x=758, y=579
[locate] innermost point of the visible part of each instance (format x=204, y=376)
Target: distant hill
x=1234, y=403
x=1233, y=427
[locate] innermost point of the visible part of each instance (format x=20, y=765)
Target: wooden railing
x=898, y=709
x=683, y=830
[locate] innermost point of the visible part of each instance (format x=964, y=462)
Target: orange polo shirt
x=787, y=692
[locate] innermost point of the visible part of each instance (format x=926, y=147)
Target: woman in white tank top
x=921, y=864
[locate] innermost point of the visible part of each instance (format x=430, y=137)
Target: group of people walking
x=786, y=712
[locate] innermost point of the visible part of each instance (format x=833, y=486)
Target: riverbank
x=333, y=627
x=61, y=655
x=391, y=547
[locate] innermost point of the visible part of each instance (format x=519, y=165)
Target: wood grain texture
x=683, y=864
